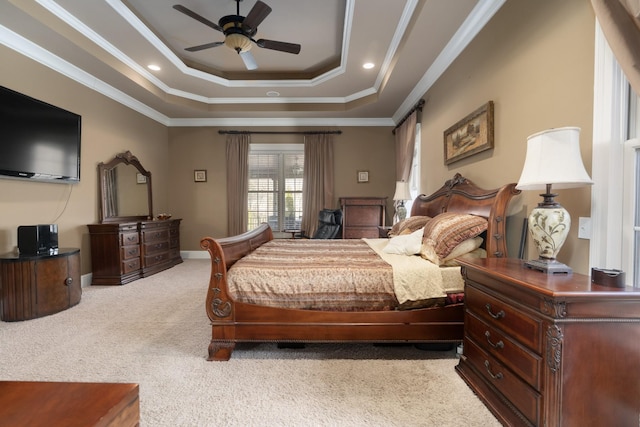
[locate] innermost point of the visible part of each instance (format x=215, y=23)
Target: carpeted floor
x=154, y=332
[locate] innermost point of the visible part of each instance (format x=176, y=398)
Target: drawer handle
x=68, y=281
x=499, y=344
x=499, y=315
x=497, y=376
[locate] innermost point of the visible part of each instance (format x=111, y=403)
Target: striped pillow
x=446, y=231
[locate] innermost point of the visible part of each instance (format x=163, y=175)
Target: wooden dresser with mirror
x=129, y=242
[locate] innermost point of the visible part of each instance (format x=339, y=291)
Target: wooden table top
x=68, y=404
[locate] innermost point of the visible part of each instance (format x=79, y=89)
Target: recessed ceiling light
x=273, y=93
x=368, y=65
x=153, y=67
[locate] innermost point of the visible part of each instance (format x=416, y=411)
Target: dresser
x=361, y=216
x=33, y=286
x=550, y=350
x=122, y=252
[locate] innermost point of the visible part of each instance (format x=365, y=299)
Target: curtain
x=405, y=141
x=405, y=146
x=317, y=188
x=237, y=182
x=620, y=22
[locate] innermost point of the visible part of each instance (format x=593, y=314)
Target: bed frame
x=234, y=322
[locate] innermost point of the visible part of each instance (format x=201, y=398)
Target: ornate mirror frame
x=107, y=192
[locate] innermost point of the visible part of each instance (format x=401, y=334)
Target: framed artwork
x=140, y=179
x=200, y=175
x=470, y=135
x=363, y=176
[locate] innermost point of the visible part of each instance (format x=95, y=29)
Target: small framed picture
x=141, y=179
x=200, y=175
x=363, y=176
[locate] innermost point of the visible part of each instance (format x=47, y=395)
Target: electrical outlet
x=584, y=228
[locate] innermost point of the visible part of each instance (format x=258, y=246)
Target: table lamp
x=402, y=193
x=553, y=159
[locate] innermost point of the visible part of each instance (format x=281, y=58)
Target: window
x=275, y=185
x=631, y=194
x=615, y=197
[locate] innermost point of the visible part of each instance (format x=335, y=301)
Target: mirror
x=125, y=189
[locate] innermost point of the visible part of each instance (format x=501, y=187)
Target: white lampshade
x=553, y=157
x=402, y=191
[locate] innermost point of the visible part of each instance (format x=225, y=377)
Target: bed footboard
x=219, y=304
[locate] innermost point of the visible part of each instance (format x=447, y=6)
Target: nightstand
x=383, y=231
x=552, y=350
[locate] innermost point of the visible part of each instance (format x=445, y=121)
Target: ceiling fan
x=239, y=32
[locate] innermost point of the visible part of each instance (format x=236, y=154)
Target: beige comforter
x=415, y=278
x=337, y=275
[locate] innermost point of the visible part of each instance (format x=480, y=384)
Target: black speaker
x=37, y=239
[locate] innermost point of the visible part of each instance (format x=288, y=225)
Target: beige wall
x=203, y=205
x=107, y=129
x=535, y=61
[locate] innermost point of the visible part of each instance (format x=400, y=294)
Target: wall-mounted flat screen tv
x=38, y=141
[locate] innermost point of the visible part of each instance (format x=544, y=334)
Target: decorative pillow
x=446, y=231
x=464, y=247
x=408, y=226
x=405, y=244
x=476, y=253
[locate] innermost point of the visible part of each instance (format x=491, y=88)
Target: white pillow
x=405, y=244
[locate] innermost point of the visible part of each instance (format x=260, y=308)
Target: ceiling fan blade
x=256, y=15
x=204, y=46
x=248, y=60
x=197, y=17
x=281, y=46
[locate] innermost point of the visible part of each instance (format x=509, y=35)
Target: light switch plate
x=584, y=228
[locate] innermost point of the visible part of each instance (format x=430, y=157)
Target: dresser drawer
x=155, y=259
x=517, y=392
x=150, y=236
x=153, y=248
x=523, y=362
x=500, y=314
x=129, y=238
x=128, y=252
x=130, y=265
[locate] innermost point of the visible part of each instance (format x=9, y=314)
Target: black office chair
x=329, y=224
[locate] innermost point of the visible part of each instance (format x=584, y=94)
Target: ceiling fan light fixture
x=237, y=42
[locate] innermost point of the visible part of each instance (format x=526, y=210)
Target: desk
x=57, y=404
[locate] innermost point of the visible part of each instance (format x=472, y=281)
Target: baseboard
x=194, y=254
x=85, y=279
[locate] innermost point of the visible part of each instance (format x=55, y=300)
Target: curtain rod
x=309, y=132
x=418, y=106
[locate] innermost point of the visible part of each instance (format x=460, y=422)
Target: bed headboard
x=461, y=195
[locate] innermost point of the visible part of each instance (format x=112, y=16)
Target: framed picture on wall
x=200, y=175
x=363, y=176
x=141, y=179
x=469, y=136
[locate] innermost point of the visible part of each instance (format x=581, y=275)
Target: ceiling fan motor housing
x=236, y=37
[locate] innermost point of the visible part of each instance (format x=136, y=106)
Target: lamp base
x=548, y=266
x=401, y=211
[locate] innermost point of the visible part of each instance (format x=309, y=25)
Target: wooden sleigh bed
x=234, y=321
